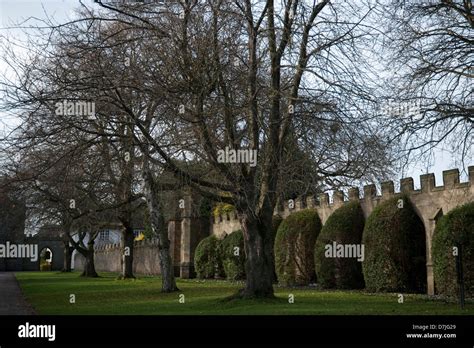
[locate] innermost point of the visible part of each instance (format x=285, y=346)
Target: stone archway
x=56, y=250
x=423, y=243
x=46, y=259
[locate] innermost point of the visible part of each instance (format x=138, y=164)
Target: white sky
x=15, y=11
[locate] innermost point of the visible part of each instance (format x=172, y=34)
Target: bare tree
x=430, y=73
x=233, y=76
x=62, y=79
x=86, y=63
x=62, y=186
x=262, y=80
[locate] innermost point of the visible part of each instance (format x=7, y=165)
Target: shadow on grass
x=238, y=298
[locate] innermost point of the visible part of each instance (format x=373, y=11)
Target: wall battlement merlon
x=223, y=218
x=114, y=246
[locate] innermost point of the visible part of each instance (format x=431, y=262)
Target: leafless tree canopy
x=429, y=45
x=174, y=87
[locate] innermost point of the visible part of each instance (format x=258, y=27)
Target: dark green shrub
x=395, y=250
x=222, y=209
x=344, y=226
x=294, y=248
x=233, y=256
x=453, y=230
x=208, y=258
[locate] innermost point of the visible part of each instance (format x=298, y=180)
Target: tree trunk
x=168, y=281
x=127, y=253
x=272, y=262
x=125, y=193
x=68, y=250
x=259, y=264
x=89, y=266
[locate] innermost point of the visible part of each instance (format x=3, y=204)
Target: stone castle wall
x=184, y=235
x=430, y=202
x=107, y=258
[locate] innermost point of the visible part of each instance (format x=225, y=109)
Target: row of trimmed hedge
x=454, y=230
x=344, y=226
x=395, y=253
x=393, y=237
x=215, y=258
x=294, y=244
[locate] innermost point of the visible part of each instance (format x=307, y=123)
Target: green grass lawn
x=49, y=293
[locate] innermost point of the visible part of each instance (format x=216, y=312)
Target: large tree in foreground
x=246, y=76
x=257, y=78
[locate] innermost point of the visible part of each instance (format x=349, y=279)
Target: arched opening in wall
x=418, y=251
x=46, y=259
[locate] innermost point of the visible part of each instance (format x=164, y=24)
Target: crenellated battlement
x=117, y=246
x=325, y=204
x=429, y=201
x=217, y=219
x=224, y=224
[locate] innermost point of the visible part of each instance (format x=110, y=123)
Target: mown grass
x=49, y=293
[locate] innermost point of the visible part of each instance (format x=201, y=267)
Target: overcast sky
x=16, y=11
